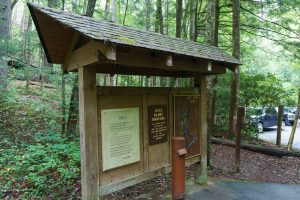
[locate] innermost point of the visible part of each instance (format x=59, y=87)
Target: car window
x=254, y=111
x=271, y=111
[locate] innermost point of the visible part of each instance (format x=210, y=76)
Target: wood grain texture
x=89, y=54
x=155, y=159
x=88, y=133
x=201, y=171
x=130, y=170
x=159, y=154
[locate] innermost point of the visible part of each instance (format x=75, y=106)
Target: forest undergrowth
x=36, y=160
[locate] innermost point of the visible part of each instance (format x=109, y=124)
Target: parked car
x=265, y=117
x=289, y=115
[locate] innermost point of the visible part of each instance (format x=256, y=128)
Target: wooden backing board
x=155, y=159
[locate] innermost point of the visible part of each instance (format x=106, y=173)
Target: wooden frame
x=118, y=92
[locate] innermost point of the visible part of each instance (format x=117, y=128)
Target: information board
x=157, y=124
x=120, y=137
x=186, y=122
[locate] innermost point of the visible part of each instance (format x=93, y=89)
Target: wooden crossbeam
x=141, y=61
x=89, y=54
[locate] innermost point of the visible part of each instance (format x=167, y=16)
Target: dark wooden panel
x=158, y=124
x=186, y=118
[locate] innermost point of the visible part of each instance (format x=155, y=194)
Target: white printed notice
x=120, y=137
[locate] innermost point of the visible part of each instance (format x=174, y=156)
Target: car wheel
x=283, y=125
x=292, y=123
x=260, y=127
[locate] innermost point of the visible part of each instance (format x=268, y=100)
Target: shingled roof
x=120, y=35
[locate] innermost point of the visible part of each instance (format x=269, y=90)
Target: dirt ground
x=254, y=167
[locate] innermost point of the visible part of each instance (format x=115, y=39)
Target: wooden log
x=44, y=85
x=279, y=125
x=255, y=148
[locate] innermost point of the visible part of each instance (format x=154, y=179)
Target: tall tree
x=53, y=3
x=291, y=139
x=235, y=75
x=90, y=8
x=5, y=16
x=178, y=17
x=107, y=10
x=215, y=78
x=125, y=14
x=209, y=41
x=73, y=107
x=159, y=25
x=113, y=11
x=193, y=14
x=148, y=14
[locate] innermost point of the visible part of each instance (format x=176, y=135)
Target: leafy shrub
x=36, y=161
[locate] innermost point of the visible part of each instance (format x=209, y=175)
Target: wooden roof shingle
x=110, y=32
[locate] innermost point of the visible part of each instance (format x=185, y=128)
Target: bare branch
x=268, y=21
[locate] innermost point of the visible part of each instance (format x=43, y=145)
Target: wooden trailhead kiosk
x=125, y=132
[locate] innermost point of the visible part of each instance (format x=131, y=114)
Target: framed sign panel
x=186, y=121
x=158, y=124
x=120, y=137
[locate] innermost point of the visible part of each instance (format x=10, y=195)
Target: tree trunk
x=236, y=75
x=148, y=15
x=159, y=25
x=217, y=23
x=63, y=104
x=215, y=78
x=125, y=13
x=167, y=17
x=291, y=139
x=178, y=17
x=53, y=3
x=193, y=9
x=13, y=3
x=209, y=41
x=74, y=6
x=73, y=110
x=26, y=48
x=90, y=8
x=185, y=22
x=113, y=11
x=107, y=10
x=73, y=107
x=5, y=16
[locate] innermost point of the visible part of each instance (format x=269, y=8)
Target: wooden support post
x=279, y=125
x=240, y=117
x=88, y=133
x=201, y=171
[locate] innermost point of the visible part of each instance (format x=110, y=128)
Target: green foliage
x=222, y=102
x=36, y=161
x=263, y=90
x=249, y=132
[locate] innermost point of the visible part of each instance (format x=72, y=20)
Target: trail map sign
x=120, y=137
x=186, y=122
x=158, y=124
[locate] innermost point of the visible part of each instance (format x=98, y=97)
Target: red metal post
x=178, y=168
